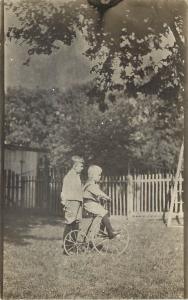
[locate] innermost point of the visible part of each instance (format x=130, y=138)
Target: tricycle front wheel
x=116, y=246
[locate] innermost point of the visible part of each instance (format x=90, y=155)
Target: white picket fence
x=146, y=195
x=139, y=195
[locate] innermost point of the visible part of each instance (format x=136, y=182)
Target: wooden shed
x=23, y=160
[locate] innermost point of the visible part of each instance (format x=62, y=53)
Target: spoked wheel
x=119, y=244
x=75, y=243
x=116, y=246
x=100, y=242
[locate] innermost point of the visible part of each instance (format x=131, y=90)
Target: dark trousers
x=68, y=227
x=105, y=223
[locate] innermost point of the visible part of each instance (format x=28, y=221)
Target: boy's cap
x=77, y=158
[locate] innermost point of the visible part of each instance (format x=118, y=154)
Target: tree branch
x=177, y=37
x=103, y=4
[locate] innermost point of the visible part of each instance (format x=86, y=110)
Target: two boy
x=73, y=195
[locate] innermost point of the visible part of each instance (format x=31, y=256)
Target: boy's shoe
x=114, y=234
x=102, y=234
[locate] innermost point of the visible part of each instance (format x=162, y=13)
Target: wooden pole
x=1, y=140
x=129, y=196
x=174, y=193
x=186, y=162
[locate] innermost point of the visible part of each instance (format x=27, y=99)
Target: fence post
x=23, y=195
x=46, y=199
x=9, y=188
x=129, y=196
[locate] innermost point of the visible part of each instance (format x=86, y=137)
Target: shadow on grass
x=18, y=226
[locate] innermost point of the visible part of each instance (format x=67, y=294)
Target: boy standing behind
x=72, y=195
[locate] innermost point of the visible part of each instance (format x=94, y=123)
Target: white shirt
x=72, y=187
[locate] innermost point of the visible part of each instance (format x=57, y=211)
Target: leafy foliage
x=132, y=131
x=29, y=116
x=131, y=41
x=138, y=62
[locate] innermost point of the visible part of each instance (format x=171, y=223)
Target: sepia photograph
x=93, y=149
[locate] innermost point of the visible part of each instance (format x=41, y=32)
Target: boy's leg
x=69, y=218
x=72, y=216
x=106, y=223
x=97, y=210
x=102, y=226
x=68, y=228
x=77, y=215
x=75, y=225
x=109, y=229
x=73, y=213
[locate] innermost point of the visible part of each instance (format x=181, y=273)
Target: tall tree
x=128, y=34
x=136, y=49
x=130, y=131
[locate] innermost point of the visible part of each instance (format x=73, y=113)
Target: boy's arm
x=95, y=190
x=65, y=191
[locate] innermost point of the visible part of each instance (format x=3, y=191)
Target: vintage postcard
x=93, y=171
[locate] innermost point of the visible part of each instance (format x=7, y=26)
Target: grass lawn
x=35, y=267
